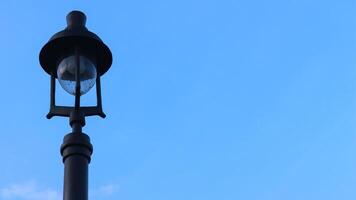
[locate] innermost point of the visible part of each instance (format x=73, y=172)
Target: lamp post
x=77, y=58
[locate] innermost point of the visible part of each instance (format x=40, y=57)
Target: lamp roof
x=75, y=35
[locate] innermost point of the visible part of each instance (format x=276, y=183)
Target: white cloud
x=32, y=191
x=29, y=191
x=105, y=190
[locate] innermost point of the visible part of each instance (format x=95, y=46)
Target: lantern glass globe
x=66, y=74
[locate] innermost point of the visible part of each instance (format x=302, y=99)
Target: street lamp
x=77, y=58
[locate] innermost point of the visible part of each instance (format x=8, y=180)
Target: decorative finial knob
x=76, y=19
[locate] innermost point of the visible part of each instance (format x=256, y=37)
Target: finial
x=76, y=19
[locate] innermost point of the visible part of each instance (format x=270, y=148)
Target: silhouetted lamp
x=77, y=58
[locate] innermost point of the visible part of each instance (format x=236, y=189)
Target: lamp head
x=77, y=58
x=63, y=44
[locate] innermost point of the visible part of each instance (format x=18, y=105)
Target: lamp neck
x=77, y=120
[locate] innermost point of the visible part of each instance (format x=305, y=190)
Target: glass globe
x=66, y=74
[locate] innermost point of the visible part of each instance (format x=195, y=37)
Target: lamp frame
x=78, y=40
x=65, y=111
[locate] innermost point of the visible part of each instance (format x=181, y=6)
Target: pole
x=76, y=151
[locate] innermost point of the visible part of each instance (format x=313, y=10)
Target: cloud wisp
x=32, y=191
x=104, y=190
x=29, y=191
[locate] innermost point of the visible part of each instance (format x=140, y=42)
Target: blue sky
x=205, y=100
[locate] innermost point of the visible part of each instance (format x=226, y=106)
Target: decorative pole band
x=76, y=144
x=76, y=151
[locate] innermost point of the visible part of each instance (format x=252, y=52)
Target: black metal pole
x=76, y=151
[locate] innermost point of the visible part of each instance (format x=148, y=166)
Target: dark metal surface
x=77, y=80
x=76, y=151
x=63, y=43
x=65, y=111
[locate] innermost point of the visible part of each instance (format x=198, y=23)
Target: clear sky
x=206, y=100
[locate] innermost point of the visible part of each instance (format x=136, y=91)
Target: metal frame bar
x=64, y=111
